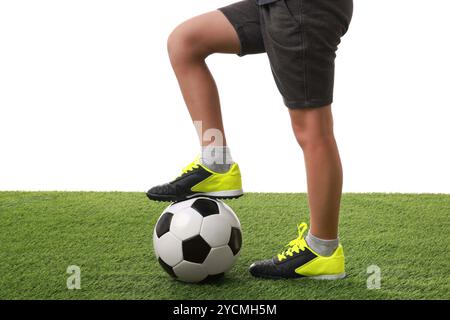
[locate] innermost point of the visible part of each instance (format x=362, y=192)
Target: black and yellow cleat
x=298, y=260
x=198, y=180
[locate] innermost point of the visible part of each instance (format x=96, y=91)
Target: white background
x=88, y=100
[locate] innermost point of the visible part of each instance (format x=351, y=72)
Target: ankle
x=216, y=158
x=321, y=246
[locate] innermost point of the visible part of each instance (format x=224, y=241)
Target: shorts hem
x=302, y=104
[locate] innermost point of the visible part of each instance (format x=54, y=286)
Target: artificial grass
x=109, y=235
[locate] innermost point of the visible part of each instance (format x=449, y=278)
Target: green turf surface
x=109, y=235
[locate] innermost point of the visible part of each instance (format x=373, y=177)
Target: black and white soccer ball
x=197, y=239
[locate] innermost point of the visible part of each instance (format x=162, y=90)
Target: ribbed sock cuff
x=323, y=247
x=216, y=158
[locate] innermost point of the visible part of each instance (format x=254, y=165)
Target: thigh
x=205, y=34
x=244, y=16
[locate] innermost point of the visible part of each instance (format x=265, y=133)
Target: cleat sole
x=233, y=194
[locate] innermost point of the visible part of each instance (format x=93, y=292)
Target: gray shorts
x=300, y=37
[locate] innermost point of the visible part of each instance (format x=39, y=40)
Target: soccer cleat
x=298, y=260
x=198, y=180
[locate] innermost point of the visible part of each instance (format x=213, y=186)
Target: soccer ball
x=197, y=239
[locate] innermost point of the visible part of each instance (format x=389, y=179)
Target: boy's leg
x=318, y=255
x=302, y=49
x=188, y=46
x=313, y=129
x=231, y=29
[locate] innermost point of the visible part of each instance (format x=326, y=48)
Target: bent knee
x=186, y=44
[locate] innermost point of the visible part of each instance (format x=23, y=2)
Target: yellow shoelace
x=191, y=166
x=295, y=245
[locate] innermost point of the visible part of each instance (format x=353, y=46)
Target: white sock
x=323, y=247
x=216, y=158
